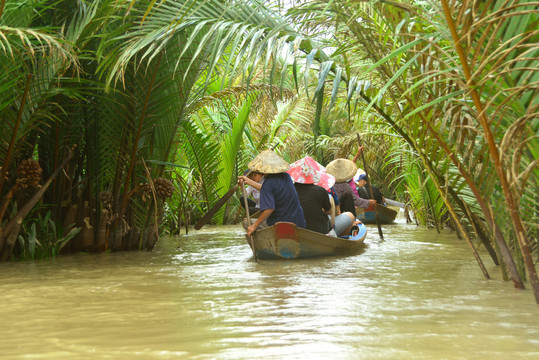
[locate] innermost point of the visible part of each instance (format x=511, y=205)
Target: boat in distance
x=386, y=215
x=284, y=240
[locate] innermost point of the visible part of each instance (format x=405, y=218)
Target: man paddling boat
x=278, y=198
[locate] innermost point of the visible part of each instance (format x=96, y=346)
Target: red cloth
x=353, y=186
x=308, y=171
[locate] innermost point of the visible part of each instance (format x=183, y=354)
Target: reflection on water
x=416, y=295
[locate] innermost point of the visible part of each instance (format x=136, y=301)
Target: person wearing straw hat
x=312, y=184
x=278, y=198
x=344, y=170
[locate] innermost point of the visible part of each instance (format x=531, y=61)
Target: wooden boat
x=285, y=240
x=386, y=215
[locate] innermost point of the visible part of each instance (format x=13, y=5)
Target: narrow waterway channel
x=416, y=295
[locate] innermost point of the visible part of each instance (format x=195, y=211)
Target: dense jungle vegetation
x=124, y=120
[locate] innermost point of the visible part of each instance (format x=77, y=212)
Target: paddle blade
x=207, y=217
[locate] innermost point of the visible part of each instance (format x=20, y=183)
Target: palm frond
x=200, y=150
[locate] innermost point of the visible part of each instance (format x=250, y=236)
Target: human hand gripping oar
x=370, y=190
x=215, y=208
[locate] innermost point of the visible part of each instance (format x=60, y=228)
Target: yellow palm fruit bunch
x=163, y=188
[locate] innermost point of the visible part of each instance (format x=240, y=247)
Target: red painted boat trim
x=285, y=230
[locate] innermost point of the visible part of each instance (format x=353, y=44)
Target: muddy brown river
x=416, y=295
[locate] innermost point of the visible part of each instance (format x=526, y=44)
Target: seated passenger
x=312, y=184
x=278, y=198
x=343, y=221
x=363, y=189
x=344, y=170
x=313, y=198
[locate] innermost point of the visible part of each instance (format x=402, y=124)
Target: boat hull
x=386, y=215
x=286, y=241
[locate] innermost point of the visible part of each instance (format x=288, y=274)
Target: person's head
x=253, y=175
x=361, y=180
x=342, y=169
x=256, y=176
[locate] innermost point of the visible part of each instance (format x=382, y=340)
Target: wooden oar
x=207, y=217
x=370, y=189
x=248, y=217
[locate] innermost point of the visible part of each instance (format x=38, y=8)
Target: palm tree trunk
x=2, y=7
x=7, y=159
x=125, y=198
x=520, y=231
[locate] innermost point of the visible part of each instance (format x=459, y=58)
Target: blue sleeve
x=333, y=193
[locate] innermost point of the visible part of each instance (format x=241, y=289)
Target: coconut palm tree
x=459, y=91
x=34, y=61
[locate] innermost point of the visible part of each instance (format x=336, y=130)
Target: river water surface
x=416, y=295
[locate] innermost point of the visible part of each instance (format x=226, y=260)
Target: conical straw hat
x=268, y=162
x=342, y=169
x=308, y=171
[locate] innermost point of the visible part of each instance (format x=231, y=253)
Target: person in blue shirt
x=278, y=198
